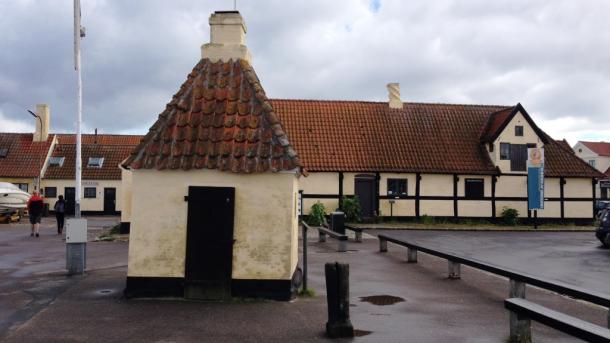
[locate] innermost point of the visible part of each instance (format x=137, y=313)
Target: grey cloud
x=553, y=56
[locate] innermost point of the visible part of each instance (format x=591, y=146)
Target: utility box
x=337, y=222
x=76, y=230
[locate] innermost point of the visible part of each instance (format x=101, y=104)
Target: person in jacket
x=35, y=207
x=60, y=212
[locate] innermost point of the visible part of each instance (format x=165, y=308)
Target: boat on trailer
x=12, y=198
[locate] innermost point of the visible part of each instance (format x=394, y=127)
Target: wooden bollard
x=337, y=296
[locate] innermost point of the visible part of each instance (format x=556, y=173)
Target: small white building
x=214, y=185
x=597, y=154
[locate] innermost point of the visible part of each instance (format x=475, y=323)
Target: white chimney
x=227, y=38
x=44, y=113
x=394, y=95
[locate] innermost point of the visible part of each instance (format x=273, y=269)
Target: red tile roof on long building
x=219, y=119
x=358, y=136
x=113, y=148
x=24, y=158
x=600, y=148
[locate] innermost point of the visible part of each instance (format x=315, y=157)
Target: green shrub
x=510, y=216
x=316, y=214
x=351, y=208
x=426, y=219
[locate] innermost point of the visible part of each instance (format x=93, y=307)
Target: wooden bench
x=518, y=280
x=323, y=232
x=357, y=232
x=523, y=311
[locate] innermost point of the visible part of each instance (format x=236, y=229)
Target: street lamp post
x=40, y=139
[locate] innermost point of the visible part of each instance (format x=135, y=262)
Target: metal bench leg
x=321, y=237
x=358, y=237
x=520, y=329
x=454, y=270
x=342, y=246
x=517, y=289
x=411, y=255
x=383, y=245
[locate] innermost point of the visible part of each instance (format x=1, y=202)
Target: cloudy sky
x=553, y=56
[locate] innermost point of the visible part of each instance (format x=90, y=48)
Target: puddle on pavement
x=360, y=333
x=382, y=300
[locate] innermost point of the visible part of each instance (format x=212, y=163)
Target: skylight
x=56, y=161
x=3, y=152
x=95, y=162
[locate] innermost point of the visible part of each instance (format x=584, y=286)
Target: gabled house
x=597, y=154
x=23, y=156
x=415, y=159
x=101, y=156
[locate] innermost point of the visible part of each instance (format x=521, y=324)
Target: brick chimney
x=44, y=113
x=227, y=37
x=394, y=95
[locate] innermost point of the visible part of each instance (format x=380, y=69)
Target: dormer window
x=519, y=131
x=56, y=161
x=3, y=152
x=95, y=162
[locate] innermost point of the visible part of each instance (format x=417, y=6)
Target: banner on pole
x=535, y=178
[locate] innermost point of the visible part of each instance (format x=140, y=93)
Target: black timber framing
x=593, y=184
x=456, y=179
x=494, y=179
x=377, y=181
x=340, y=189
x=562, y=182
x=417, y=196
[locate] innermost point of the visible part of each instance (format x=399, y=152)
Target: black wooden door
x=518, y=157
x=70, y=197
x=365, y=191
x=109, y=200
x=209, y=243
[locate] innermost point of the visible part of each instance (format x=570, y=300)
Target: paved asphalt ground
x=38, y=303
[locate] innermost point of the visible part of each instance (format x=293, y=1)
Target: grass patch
x=307, y=292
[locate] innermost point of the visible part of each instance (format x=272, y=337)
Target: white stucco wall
x=265, y=222
x=87, y=204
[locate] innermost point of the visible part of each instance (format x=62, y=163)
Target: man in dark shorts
x=35, y=206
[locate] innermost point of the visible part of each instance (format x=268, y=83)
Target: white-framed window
x=56, y=161
x=592, y=163
x=95, y=162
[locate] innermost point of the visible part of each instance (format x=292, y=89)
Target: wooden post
x=517, y=289
x=321, y=236
x=383, y=245
x=520, y=329
x=411, y=255
x=337, y=296
x=454, y=270
x=342, y=247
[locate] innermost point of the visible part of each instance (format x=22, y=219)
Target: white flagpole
x=79, y=105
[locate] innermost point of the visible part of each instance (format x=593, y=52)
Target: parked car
x=603, y=231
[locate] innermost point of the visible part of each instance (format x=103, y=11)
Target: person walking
x=60, y=213
x=35, y=207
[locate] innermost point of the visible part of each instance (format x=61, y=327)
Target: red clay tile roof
x=103, y=139
x=219, y=119
x=496, y=123
x=607, y=173
x=25, y=158
x=368, y=136
x=357, y=136
x=114, y=151
x=565, y=145
x=600, y=148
